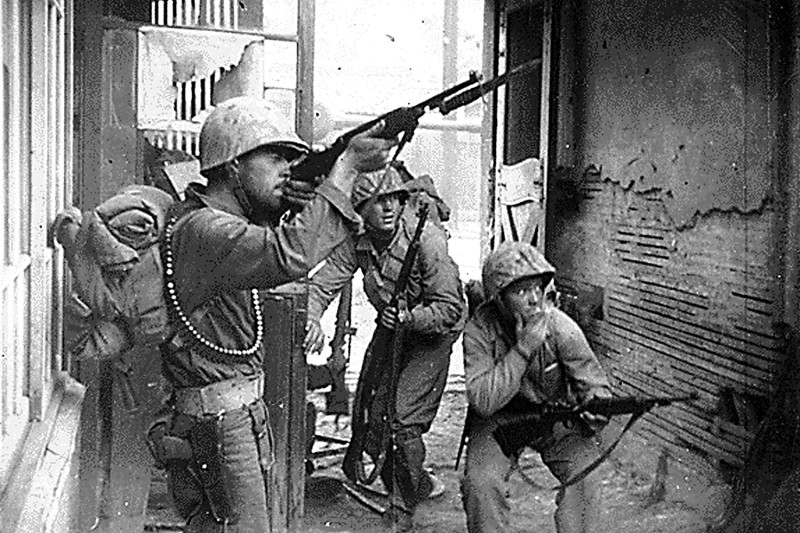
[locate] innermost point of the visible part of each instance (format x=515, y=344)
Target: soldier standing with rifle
x=521, y=352
x=414, y=338
x=221, y=246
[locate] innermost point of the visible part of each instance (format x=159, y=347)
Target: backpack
x=116, y=265
x=422, y=190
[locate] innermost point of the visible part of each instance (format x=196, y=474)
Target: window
x=34, y=147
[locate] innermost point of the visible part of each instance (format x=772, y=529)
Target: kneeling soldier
x=519, y=352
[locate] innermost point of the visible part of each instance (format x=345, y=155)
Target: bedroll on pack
x=422, y=190
x=113, y=254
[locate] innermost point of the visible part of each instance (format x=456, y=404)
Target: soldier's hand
x=297, y=194
x=315, y=338
x=65, y=227
x=532, y=333
x=367, y=151
x=594, y=421
x=390, y=317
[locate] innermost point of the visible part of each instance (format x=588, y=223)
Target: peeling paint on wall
x=675, y=97
x=245, y=77
x=570, y=199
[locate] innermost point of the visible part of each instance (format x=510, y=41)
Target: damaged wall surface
x=664, y=237
x=170, y=57
x=674, y=97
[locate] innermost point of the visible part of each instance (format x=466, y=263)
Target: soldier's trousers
x=485, y=487
x=421, y=383
x=237, y=501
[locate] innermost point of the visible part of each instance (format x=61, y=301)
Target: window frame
x=35, y=158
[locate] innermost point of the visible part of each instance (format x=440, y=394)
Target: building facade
x=39, y=401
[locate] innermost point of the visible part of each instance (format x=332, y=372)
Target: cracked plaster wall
x=674, y=96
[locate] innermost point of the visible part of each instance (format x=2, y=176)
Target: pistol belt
x=218, y=397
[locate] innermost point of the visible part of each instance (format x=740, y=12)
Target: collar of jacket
x=196, y=192
x=364, y=243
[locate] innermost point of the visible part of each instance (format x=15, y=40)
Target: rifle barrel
x=470, y=95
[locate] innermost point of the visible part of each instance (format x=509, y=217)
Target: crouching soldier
x=519, y=352
x=221, y=246
x=434, y=319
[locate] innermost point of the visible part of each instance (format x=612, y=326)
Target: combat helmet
x=241, y=124
x=511, y=261
x=377, y=183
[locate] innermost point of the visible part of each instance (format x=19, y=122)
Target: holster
x=166, y=449
x=207, y=467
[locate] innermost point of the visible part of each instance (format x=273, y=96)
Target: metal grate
x=193, y=13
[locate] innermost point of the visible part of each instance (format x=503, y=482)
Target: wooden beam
x=488, y=131
x=88, y=43
x=304, y=114
x=791, y=179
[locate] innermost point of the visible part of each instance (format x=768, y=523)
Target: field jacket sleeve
x=442, y=306
x=326, y=283
x=493, y=369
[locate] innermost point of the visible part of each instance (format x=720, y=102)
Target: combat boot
x=398, y=520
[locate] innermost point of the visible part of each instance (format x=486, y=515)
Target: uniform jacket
x=219, y=257
x=434, y=293
x=564, y=368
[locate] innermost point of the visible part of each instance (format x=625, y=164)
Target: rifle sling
x=606, y=453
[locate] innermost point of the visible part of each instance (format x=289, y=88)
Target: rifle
x=316, y=165
x=337, y=400
x=373, y=376
x=550, y=413
x=514, y=428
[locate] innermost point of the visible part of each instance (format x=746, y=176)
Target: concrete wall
x=663, y=225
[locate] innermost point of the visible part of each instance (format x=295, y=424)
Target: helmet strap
x=239, y=191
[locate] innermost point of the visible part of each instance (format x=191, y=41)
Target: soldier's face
x=381, y=213
x=524, y=298
x=263, y=174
